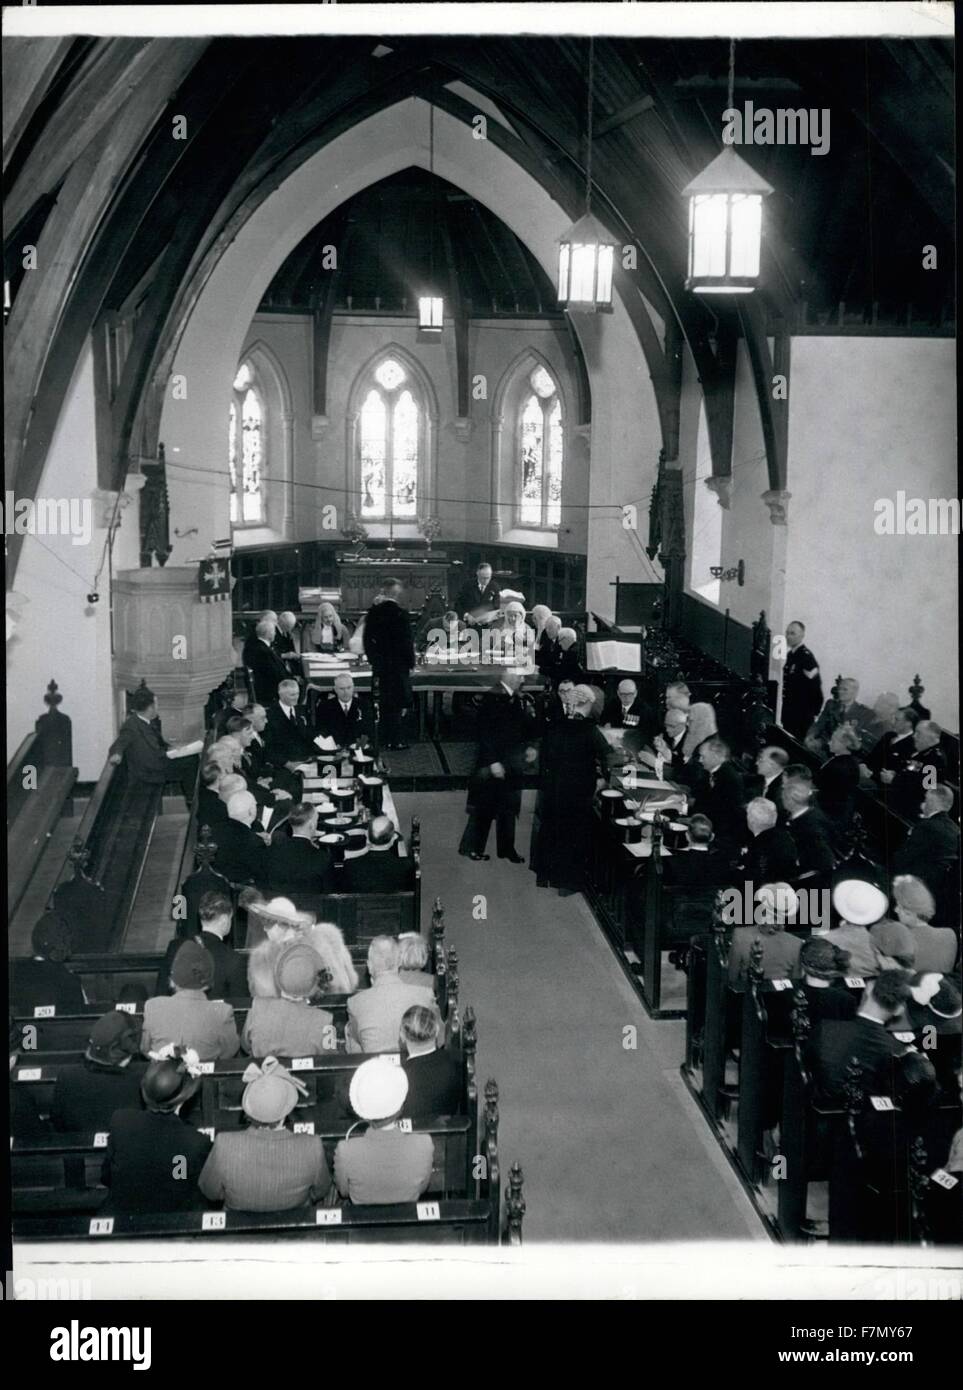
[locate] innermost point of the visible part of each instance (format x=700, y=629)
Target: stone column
x=778, y=503
x=165, y=635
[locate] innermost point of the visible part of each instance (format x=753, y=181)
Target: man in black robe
x=389, y=646
x=574, y=757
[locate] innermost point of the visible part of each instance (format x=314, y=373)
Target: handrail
x=20, y=756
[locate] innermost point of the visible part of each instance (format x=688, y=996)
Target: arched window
x=390, y=444
x=541, y=444
x=247, y=433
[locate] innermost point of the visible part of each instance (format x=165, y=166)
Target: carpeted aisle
x=610, y=1142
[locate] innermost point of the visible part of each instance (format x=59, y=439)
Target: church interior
x=517, y=472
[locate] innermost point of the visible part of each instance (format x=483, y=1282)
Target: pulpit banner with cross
x=214, y=581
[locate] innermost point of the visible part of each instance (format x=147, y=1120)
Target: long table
x=434, y=679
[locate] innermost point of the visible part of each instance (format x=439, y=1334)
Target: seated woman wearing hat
x=279, y=922
x=188, y=1018
x=385, y=1164
x=288, y=1026
x=860, y=905
x=936, y=947
x=266, y=1167
x=155, y=1158
x=775, y=905
x=823, y=966
x=45, y=979
x=87, y=1094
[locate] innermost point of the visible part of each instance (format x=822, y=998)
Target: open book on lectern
x=605, y=653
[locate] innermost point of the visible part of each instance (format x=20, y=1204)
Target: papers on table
x=610, y=654
x=643, y=850
x=325, y=743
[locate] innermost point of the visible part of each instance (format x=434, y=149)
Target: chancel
x=447, y=431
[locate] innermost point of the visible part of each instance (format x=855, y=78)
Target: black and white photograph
x=481, y=523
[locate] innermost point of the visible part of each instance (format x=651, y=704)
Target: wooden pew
x=40, y=782
x=473, y=1219
x=38, y=1071
x=765, y=1038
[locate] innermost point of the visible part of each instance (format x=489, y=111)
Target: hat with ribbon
x=270, y=1092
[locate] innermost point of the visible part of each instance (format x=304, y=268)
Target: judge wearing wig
x=327, y=633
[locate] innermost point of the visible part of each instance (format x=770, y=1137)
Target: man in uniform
x=802, y=688
x=505, y=727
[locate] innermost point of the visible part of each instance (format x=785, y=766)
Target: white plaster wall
x=867, y=417
x=625, y=433
x=61, y=636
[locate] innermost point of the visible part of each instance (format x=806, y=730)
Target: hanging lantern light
x=431, y=311
x=586, y=253
x=725, y=220
x=431, y=306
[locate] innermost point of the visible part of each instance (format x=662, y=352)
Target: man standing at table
x=389, y=646
x=478, y=597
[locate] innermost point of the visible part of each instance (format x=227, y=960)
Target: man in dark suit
x=251, y=640
x=287, y=738
x=210, y=808
x=719, y=793
x=230, y=968
x=669, y=743
x=802, y=690
x=435, y=1079
x=148, y=756
x=44, y=979
x=506, y=727
x=865, y=1038
x=771, y=763
x=771, y=855
x=296, y=866
x=266, y=663
x=895, y=748
x=343, y=717
x=389, y=647
x=925, y=768
x=933, y=843
x=479, y=596
x=380, y=869
x=287, y=638
x=810, y=830
x=87, y=1094
x=699, y=865
x=257, y=763
x=629, y=711
x=241, y=853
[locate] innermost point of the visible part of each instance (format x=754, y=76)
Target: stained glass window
x=247, y=409
x=542, y=449
x=373, y=455
x=390, y=445
x=232, y=460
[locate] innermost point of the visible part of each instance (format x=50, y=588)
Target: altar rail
x=269, y=576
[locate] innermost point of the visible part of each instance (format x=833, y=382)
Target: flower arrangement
x=355, y=532
x=429, y=526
